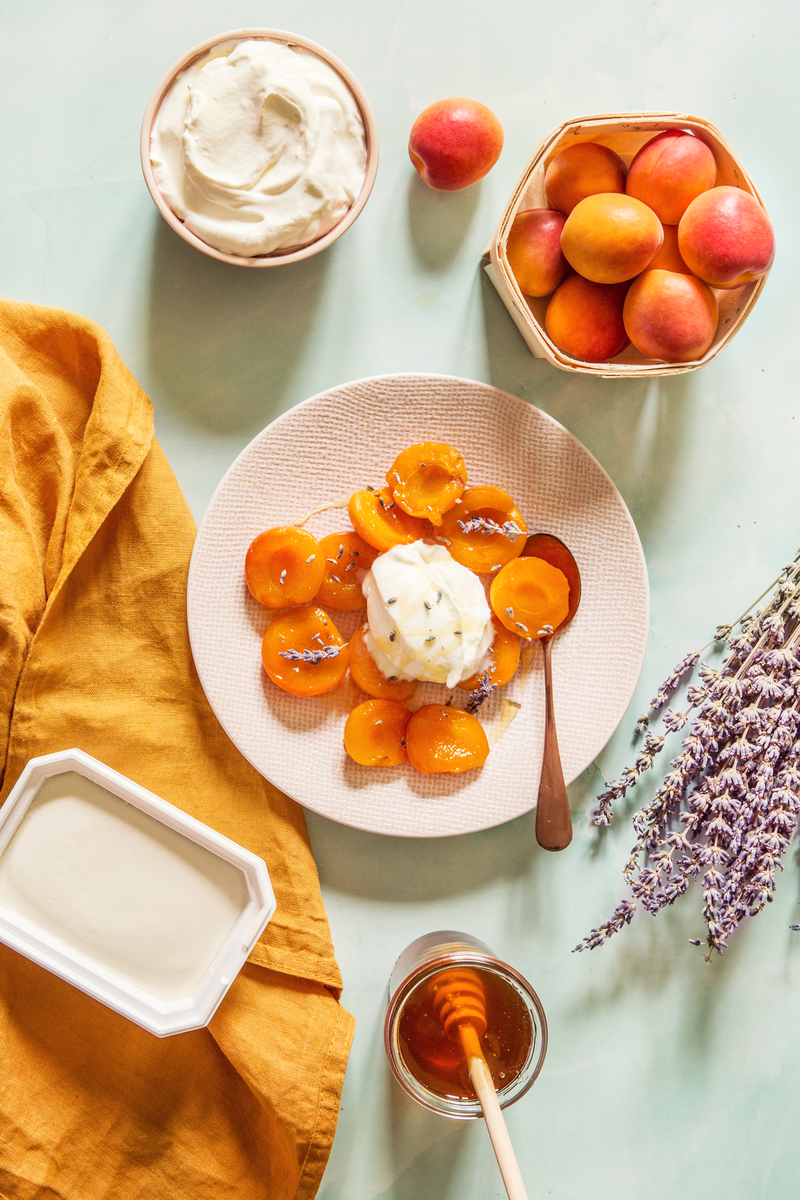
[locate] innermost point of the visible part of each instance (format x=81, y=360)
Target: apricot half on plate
x=529, y=594
x=427, y=479
x=444, y=740
x=304, y=653
x=381, y=522
x=368, y=676
x=345, y=557
x=485, y=530
x=502, y=656
x=283, y=567
x=374, y=733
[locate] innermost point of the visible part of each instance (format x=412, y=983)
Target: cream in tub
x=125, y=896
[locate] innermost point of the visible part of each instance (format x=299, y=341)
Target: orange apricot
x=475, y=528
x=381, y=522
x=374, y=733
x=427, y=479
x=503, y=659
x=369, y=677
x=528, y=594
x=343, y=556
x=580, y=171
x=610, y=238
x=669, y=172
x=443, y=740
x=670, y=316
x=533, y=250
x=585, y=319
x=304, y=653
x=283, y=567
x=668, y=256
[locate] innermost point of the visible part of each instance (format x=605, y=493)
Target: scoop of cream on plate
x=428, y=616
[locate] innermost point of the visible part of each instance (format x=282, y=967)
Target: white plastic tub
x=123, y=895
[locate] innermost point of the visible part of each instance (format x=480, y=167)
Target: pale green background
x=666, y=1077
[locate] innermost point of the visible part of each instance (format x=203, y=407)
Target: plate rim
x=415, y=375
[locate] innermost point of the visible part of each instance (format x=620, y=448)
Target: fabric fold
x=94, y=652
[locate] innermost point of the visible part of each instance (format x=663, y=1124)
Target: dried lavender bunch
x=509, y=529
x=727, y=810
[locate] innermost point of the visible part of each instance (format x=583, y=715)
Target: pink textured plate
x=341, y=440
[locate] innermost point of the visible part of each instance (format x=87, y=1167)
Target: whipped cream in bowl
x=259, y=147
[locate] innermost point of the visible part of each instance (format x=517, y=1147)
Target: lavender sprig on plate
x=311, y=656
x=726, y=811
x=486, y=525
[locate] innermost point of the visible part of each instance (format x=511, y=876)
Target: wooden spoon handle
x=553, y=820
x=483, y=1083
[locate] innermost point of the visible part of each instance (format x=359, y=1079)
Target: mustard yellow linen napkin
x=95, y=539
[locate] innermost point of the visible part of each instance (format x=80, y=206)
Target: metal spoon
x=553, y=821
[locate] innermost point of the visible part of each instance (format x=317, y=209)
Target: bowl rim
x=277, y=258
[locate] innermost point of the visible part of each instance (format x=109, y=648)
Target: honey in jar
x=437, y=1059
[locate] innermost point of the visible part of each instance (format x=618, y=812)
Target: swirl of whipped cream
x=259, y=146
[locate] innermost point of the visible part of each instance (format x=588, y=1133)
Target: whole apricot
x=668, y=257
x=534, y=253
x=609, y=238
x=670, y=316
x=580, y=171
x=454, y=143
x=726, y=238
x=585, y=319
x=669, y=172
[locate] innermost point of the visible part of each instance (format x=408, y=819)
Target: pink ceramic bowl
x=278, y=257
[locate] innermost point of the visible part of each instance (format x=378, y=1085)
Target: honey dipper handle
x=483, y=1083
x=553, y=820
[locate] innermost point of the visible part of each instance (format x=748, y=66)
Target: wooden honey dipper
x=460, y=1004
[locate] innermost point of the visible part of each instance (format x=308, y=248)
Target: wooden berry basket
x=624, y=133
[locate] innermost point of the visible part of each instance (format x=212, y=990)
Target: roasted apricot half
x=344, y=555
x=284, y=567
x=368, y=676
x=529, y=594
x=503, y=656
x=445, y=740
x=381, y=522
x=374, y=733
x=427, y=479
x=484, y=531
x=304, y=653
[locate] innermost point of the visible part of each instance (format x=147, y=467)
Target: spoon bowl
x=553, y=820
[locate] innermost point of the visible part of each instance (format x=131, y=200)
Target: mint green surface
x=666, y=1077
